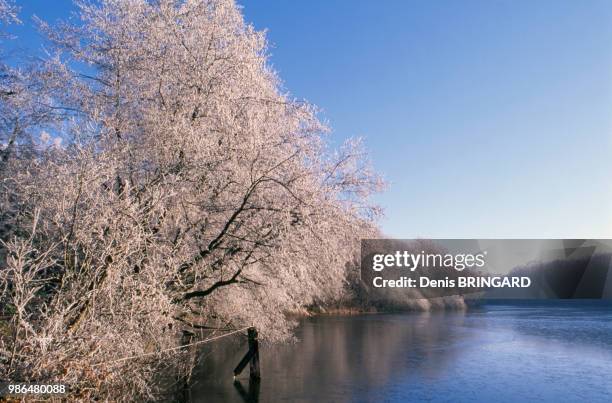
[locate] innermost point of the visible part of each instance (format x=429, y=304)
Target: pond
x=551, y=351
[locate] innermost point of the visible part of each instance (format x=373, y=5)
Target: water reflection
x=495, y=353
x=336, y=358
x=252, y=396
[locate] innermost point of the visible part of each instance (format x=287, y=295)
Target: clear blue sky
x=488, y=118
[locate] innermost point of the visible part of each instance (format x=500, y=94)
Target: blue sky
x=488, y=118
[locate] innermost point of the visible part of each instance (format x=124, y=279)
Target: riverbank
x=349, y=308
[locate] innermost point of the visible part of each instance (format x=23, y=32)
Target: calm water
x=551, y=352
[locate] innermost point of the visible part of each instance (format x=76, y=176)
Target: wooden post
x=254, y=347
x=252, y=357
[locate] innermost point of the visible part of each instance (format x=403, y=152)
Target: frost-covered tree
x=191, y=192
x=26, y=88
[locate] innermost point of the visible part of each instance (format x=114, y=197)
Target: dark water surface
x=499, y=352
